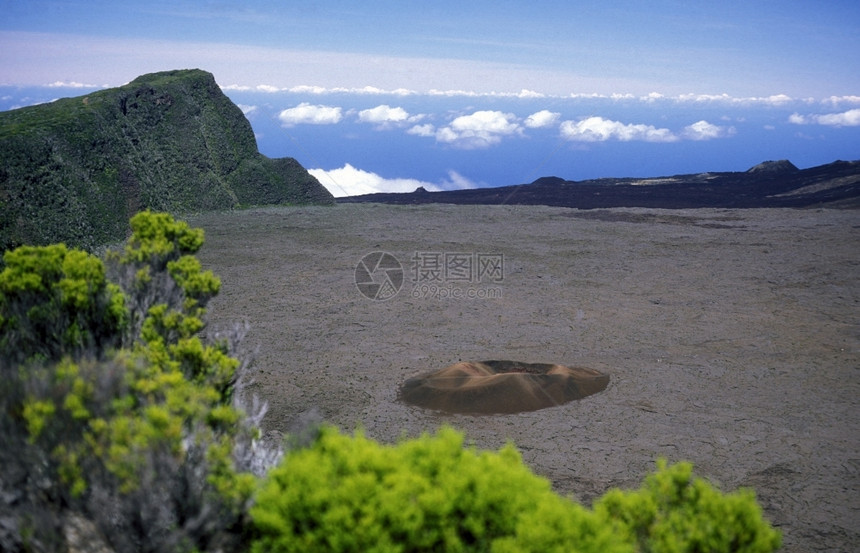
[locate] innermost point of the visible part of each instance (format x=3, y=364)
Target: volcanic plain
x=730, y=336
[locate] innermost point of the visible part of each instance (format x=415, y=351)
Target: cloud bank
x=74, y=84
x=486, y=128
x=772, y=100
x=350, y=181
x=598, y=129
x=850, y=118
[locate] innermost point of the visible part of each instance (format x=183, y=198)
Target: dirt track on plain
x=731, y=337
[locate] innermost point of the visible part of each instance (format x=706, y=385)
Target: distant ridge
x=76, y=169
x=768, y=184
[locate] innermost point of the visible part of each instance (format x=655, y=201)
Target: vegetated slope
x=769, y=184
x=75, y=170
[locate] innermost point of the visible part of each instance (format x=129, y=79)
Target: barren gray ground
x=731, y=338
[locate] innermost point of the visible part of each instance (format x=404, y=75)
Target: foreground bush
x=114, y=410
x=56, y=302
x=674, y=511
x=428, y=494
x=350, y=494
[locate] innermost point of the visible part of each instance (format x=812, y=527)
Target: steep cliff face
x=75, y=170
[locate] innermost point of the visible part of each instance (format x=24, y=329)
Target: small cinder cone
x=501, y=387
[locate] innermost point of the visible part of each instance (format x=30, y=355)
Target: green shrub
x=351, y=494
x=427, y=494
x=114, y=408
x=55, y=302
x=676, y=512
x=157, y=269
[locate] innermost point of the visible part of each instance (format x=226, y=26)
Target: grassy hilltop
x=75, y=170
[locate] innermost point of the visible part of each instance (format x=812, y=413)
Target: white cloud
x=776, y=100
x=467, y=93
x=772, y=100
x=704, y=98
x=317, y=90
x=366, y=90
x=350, y=181
x=542, y=118
x=73, y=84
x=850, y=118
x=526, y=93
x=307, y=89
x=309, y=114
x=652, y=97
x=426, y=130
x=383, y=115
x=836, y=100
x=592, y=96
x=480, y=129
x=598, y=129
x=798, y=119
x=702, y=130
x=446, y=134
x=246, y=109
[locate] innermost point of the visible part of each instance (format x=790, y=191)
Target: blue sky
x=388, y=95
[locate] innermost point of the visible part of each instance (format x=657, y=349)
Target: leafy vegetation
x=115, y=410
x=674, y=511
x=56, y=302
x=75, y=170
x=121, y=428
x=432, y=494
x=428, y=494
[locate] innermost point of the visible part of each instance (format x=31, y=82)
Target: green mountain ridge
x=75, y=170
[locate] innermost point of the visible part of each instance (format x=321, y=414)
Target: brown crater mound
x=501, y=387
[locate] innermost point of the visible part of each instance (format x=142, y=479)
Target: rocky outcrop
x=75, y=170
